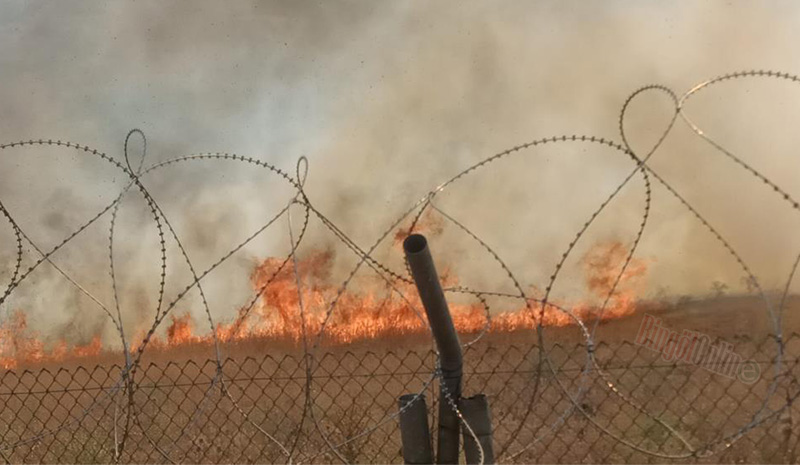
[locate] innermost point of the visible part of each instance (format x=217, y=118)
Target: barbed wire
x=534, y=308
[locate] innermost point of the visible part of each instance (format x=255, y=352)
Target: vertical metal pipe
x=432, y=297
x=414, y=431
x=476, y=413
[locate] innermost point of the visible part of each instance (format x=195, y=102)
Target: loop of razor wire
x=46, y=257
x=196, y=282
x=776, y=319
x=640, y=165
x=540, y=320
x=640, y=233
x=115, y=204
x=18, y=258
x=591, y=359
x=749, y=426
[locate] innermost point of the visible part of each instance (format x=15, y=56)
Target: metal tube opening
x=415, y=243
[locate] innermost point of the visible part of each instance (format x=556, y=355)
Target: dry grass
x=181, y=415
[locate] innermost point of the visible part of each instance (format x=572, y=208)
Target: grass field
x=182, y=415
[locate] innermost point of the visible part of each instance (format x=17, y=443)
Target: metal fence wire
x=352, y=390
x=551, y=402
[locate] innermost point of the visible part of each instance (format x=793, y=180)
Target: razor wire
x=166, y=233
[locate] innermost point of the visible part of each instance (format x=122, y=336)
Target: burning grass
x=374, y=312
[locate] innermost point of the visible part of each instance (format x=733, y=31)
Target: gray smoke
x=387, y=101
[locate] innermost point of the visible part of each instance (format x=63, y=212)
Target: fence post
x=414, y=430
x=432, y=297
x=476, y=413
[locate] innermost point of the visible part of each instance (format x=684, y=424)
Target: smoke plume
x=387, y=101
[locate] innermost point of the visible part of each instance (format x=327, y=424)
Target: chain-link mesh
x=353, y=391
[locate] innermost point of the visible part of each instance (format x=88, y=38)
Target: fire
x=378, y=312
x=369, y=311
x=602, y=265
x=180, y=331
x=19, y=344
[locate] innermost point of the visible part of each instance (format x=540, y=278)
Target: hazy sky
x=279, y=77
x=387, y=99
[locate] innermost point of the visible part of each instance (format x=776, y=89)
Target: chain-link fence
x=69, y=415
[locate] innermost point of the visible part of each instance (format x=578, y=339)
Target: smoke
x=387, y=101
x=487, y=79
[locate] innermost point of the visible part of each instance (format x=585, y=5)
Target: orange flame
x=358, y=315
x=365, y=315
x=19, y=344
